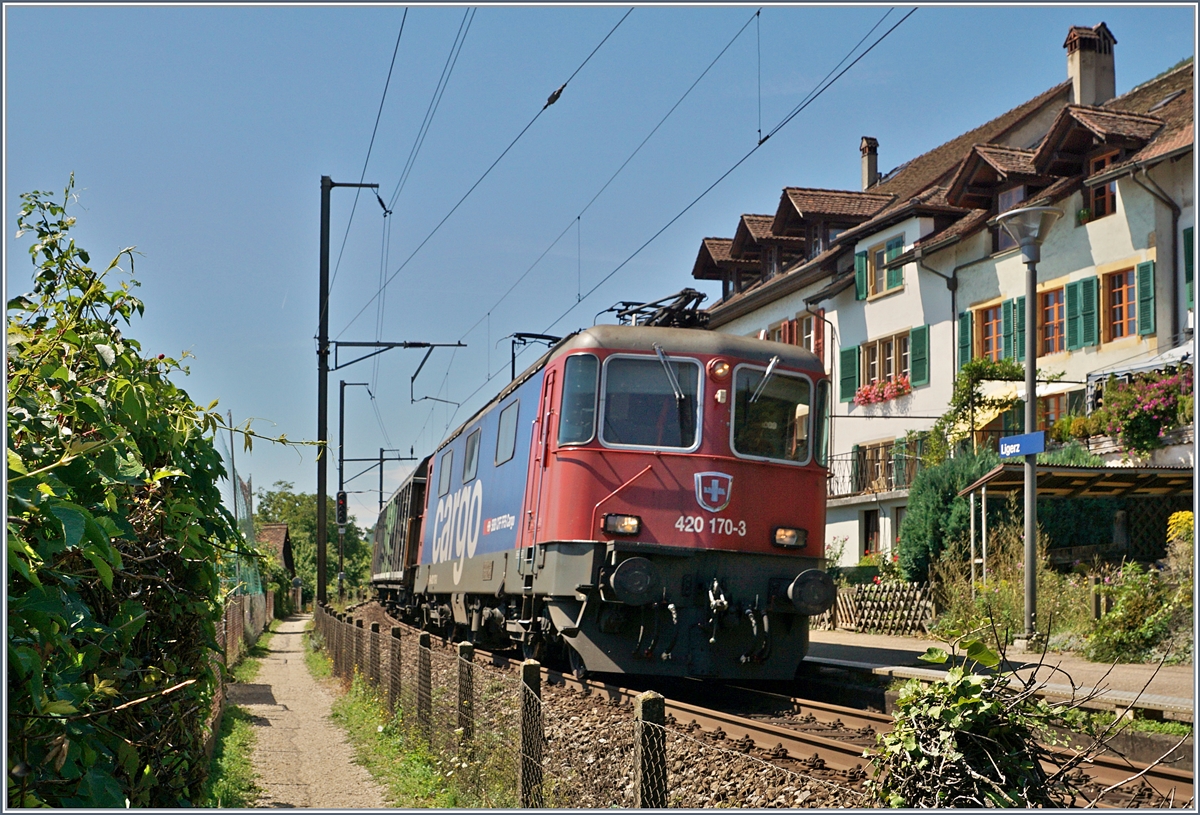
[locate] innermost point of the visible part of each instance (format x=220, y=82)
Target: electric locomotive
x=641, y=500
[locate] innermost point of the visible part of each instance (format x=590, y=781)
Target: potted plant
x=1083, y=216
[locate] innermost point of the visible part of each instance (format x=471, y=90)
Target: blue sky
x=199, y=134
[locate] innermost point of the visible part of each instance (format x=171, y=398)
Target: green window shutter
x=1019, y=327
x=848, y=374
x=900, y=463
x=918, y=355
x=894, y=248
x=855, y=469
x=1188, y=260
x=1089, y=311
x=965, y=335
x=1145, y=298
x=1006, y=320
x=1074, y=311
x=860, y=276
x=1075, y=402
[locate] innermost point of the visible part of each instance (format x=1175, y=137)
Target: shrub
x=115, y=528
x=936, y=515
x=1141, y=410
x=1139, y=620
x=1080, y=427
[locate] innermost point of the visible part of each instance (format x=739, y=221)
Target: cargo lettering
x=457, y=525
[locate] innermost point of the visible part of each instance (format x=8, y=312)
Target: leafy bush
x=936, y=514
x=1142, y=410
x=1139, y=620
x=115, y=528
x=969, y=740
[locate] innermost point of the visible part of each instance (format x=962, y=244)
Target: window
x=821, y=424
x=1008, y=199
x=808, y=331
x=506, y=435
x=771, y=420
x=444, y=474
x=1051, y=409
x=1104, y=196
x=1054, y=337
x=886, y=359
x=577, y=425
x=471, y=459
x=870, y=275
x=870, y=532
x=1121, y=293
x=640, y=403
x=991, y=334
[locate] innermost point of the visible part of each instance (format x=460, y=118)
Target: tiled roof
x=758, y=225
x=714, y=255
x=1055, y=192
x=273, y=536
x=847, y=203
x=718, y=248
x=1177, y=114
x=1007, y=160
x=928, y=168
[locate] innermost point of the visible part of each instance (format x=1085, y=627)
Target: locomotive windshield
x=640, y=403
x=578, y=422
x=776, y=424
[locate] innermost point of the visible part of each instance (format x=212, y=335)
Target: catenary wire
x=435, y=101
x=553, y=98
x=367, y=160
x=812, y=98
x=612, y=178
x=818, y=90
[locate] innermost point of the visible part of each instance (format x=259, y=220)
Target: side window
x=506, y=437
x=444, y=475
x=471, y=459
x=577, y=425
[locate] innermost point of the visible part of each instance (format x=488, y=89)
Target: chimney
x=1090, y=65
x=870, y=161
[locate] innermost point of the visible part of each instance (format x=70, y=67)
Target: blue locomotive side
x=476, y=486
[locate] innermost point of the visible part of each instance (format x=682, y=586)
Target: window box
x=883, y=390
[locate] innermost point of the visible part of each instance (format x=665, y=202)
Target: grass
x=1090, y=722
x=410, y=774
x=231, y=779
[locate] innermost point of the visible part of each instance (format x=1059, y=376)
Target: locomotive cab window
x=471, y=459
x=772, y=419
x=444, y=476
x=506, y=436
x=577, y=425
x=651, y=402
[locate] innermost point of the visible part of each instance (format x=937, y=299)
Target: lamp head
x=1028, y=226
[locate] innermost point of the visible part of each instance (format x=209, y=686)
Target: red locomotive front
x=675, y=503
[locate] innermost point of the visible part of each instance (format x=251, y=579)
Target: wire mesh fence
x=497, y=743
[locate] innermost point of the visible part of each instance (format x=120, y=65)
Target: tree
x=115, y=531
x=299, y=511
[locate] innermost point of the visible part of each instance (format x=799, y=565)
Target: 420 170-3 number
x=717, y=526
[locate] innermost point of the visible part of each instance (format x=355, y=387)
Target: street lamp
x=1028, y=227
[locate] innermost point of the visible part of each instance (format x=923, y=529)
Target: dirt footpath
x=301, y=757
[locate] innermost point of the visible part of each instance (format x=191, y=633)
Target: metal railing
x=871, y=470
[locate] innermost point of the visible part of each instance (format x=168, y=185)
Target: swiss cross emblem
x=712, y=490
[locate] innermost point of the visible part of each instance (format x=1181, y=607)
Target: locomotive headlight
x=622, y=524
x=718, y=369
x=790, y=538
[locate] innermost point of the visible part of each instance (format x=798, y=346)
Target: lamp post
x=1028, y=227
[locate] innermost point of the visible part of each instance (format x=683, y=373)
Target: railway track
x=827, y=741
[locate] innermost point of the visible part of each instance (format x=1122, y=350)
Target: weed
x=231, y=778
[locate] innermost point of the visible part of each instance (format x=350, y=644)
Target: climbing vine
x=115, y=531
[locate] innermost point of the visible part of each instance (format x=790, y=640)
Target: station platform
x=1169, y=690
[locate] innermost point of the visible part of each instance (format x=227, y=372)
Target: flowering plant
x=883, y=390
x=1141, y=411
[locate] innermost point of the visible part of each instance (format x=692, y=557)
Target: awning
x=1057, y=481
x=1045, y=389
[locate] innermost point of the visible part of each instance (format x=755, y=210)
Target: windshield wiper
x=766, y=378
x=662, y=357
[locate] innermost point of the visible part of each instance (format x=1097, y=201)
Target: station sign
x=1024, y=445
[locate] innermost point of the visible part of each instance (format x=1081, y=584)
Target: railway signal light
x=341, y=508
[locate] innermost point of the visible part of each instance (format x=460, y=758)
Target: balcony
x=878, y=468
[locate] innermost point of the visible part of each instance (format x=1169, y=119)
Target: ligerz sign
x=1026, y=445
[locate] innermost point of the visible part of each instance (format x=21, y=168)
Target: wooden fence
x=883, y=608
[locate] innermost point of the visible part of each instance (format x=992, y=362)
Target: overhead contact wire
x=553, y=98
x=812, y=98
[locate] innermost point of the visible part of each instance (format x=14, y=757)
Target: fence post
x=649, y=751
x=373, y=659
x=424, y=685
x=394, y=671
x=358, y=648
x=466, y=691
x=529, y=772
